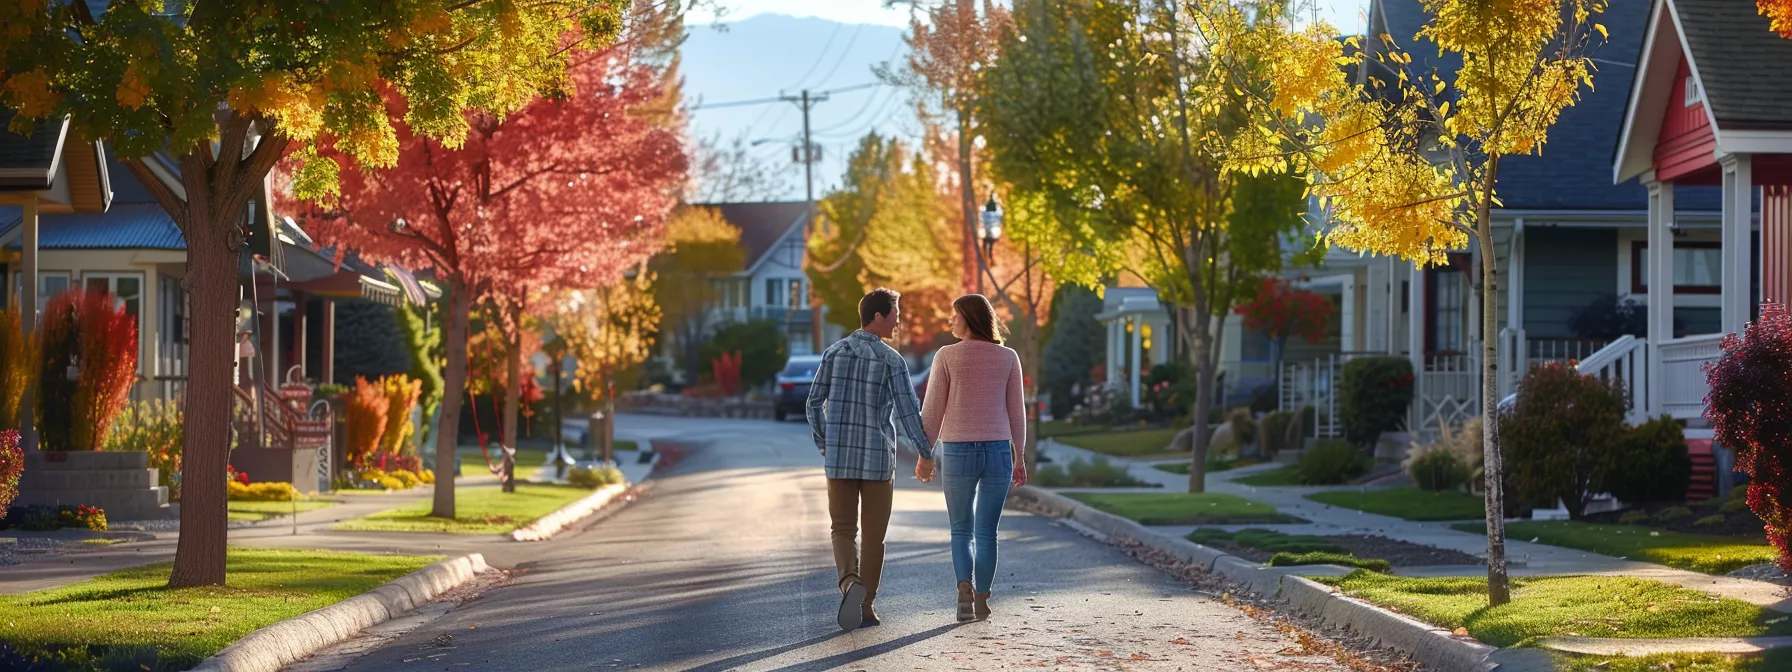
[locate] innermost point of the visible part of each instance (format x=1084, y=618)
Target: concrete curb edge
x=276, y=646
x=1434, y=647
x=545, y=527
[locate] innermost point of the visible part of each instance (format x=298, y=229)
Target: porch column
x=1347, y=338
x=1415, y=326
x=1661, y=286
x=1116, y=360
x=28, y=289
x=1160, y=340
x=1132, y=364
x=1739, y=187
x=300, y=344
x=329, y=345
x=1519, y=357
x=1395, y=321
x=1375, y=318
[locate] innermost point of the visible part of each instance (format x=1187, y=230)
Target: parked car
x=793, y=386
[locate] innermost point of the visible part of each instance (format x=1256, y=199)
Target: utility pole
x=808, y=101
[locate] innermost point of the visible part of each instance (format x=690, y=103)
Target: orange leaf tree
x=367, y=407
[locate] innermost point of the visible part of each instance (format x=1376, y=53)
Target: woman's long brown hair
x=980, y=318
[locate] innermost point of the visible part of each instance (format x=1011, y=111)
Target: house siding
x=1561, y=276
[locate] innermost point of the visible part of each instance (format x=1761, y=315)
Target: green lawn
x=1058, y=428
x=1213, y=466
x=1184, y=508
x=1697, y=552
x=1406, y=502
x=1288, y=475
x=1591, y=606
x=625, y=444
x=478, y=510
x=266, y=510
x=1146, y=443
x=132, y=620
x=1772, y=659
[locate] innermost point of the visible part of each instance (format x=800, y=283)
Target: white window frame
x=1690, y=95
x=112, y=278
x=43, y=297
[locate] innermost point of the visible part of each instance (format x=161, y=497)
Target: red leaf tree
x=1750, y=409
x=566, y=192
x=1281, y=311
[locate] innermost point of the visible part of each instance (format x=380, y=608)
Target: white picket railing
x=1624, y=360
x=1683, y=386
x=1449, y=391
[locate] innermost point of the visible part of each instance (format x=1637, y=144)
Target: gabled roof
x=28, y=163
x=761, y=225
x=1573, y=172
x=1744, y=66
x=134, y=222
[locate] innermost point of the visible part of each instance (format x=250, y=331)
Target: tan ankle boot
x=966, y=610
x=980, y=603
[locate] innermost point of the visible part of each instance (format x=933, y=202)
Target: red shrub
x=12, y=464
x=727, y=372
x=1750, y=409
x=367, y=407
x=91, y=332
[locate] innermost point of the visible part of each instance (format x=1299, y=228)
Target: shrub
x=401, y=396
x=1435, y=470
x=366, y=421
x=1712, y=520
x=155, y=427
x=1265, y=398
x=408, y=478
x=1653, y=465
x=761, y=345
x=1322, y=558
x=92, y=329
x=1244, y=426
x=1277, y=432
x=1373, y=397
x=1634, y=517
x=1749, y=390
x=1672, y=513
x=43, y=517
x=1735, y=505
x=428, y=476
x=1170, y=388
x=12, y=465
x=1561, y=437
x=1085, y=473
x=594, y=478
x=1331, y=463
x=18, y=367
x=389, y=483
x=266, y=491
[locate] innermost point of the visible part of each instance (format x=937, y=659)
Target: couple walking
x=974, y=412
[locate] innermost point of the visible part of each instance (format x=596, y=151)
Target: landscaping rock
x=1766, y=571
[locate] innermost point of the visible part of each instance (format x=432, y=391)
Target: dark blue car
x=793, y=386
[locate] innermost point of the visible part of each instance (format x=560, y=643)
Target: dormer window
x=1691, y=97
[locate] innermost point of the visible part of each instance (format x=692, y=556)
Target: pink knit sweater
x=974, y=394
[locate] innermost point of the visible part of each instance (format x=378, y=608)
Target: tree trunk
x=454, y=389
x=1029, y=360
x=513, y=393
x=1201, y=353
x=968, y=203
x=1498, y=591
x=213, y=290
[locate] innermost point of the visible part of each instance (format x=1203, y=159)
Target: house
x=772, y=285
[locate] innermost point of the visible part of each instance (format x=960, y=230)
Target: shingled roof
x=1744, y=67
x=27, y=162
x=135, y=221
x=761, y=224
x=1574, y=170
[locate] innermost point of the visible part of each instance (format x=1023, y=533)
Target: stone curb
x=547, y=526
x=276, y=646
x=1434, y=647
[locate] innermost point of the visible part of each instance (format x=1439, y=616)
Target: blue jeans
x=976, y=475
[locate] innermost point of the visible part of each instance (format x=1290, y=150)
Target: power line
x=843, y=52
x=821, y=56
x=763, y=101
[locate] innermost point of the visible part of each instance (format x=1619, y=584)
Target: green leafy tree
x=421, y=329
x=762, y=345
x=1074, y=345
x=225, y=90
x=692, y=275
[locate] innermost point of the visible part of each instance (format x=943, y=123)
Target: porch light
x=992, y=226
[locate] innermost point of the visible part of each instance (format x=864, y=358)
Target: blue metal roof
x=130, y=226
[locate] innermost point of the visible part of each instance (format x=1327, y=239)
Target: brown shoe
x=965, y=609
x=980, y=603
x=852, y=602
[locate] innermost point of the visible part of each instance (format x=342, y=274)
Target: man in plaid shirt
x=860, y=396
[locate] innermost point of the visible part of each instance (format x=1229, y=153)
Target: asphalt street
x=726, y=565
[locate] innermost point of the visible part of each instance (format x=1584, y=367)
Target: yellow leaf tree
x=1404, y=158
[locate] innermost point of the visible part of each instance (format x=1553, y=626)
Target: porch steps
x=1704, y=471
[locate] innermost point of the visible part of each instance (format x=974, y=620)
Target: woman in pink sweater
x=974, y=406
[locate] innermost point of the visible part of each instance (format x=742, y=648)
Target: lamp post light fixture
x=397, y=226
x=992, y=227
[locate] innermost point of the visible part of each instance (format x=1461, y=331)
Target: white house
x=772, y=286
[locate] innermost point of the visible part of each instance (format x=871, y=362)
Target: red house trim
x=1686, y=145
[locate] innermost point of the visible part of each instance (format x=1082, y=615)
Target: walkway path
x=1525, y=558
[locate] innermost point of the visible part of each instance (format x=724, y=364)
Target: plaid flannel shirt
x=860, y=395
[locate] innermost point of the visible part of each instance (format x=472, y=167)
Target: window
x=774, y=292
x=1452, y=311
x=1698, y=268
x=797, y=300
x=126, y=290
x=1691, y=95
x=49, y=283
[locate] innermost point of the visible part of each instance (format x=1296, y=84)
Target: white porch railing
x=1449, y=391
x=1315, y=384
x=1683, y=387
x=1624, y=360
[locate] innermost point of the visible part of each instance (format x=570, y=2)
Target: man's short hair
x=880, y=301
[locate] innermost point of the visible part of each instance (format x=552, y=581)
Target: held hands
x=924, y=470
x=1020, y=474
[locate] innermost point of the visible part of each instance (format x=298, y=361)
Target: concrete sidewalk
x=1525, y=558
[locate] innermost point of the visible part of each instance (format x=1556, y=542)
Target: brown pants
x=846, y=497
